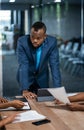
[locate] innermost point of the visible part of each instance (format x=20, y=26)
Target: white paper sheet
x=28, y=116
x=27, y=107
x=72, y=94
x=60, y=94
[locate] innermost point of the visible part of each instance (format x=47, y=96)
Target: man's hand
x=17, y=104
x=29, y=95
x=3, y=100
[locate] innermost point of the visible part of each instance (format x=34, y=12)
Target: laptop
x=44, y=95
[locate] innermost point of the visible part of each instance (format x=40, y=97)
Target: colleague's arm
x=76, y=107
x=15, y=103
x=77, y=97
x=7, y=120
x=3, y=100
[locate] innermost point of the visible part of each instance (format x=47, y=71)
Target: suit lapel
x=33, y=51
x=42, y=54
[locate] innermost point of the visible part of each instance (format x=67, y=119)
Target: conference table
x=61, y=117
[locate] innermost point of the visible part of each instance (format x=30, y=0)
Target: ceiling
x=37, y=2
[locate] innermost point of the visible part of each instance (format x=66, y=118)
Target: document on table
x=26, y=107
x=60, y=94
x=28, y=116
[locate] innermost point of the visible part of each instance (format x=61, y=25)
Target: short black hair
x=39, y=25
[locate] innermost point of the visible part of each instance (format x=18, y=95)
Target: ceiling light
x=11, y=0
x=32, y=6
x=57, y=0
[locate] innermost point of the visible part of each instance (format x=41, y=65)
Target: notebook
x=44, y=95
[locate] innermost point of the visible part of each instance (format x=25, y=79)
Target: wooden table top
x=61, y=118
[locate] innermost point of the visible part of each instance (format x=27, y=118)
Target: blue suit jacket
x=26, y=59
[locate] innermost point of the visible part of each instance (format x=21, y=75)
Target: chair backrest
x=75, y=47
x=68, y=46
x=62, y=47
x=81, y=54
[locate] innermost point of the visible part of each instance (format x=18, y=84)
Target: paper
x=27, y=107
x=28, y=116
x=72, y=94
x=60, y=94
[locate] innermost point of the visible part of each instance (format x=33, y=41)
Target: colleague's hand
x=8, y=120
x=3, y=100
x=74, y=106
x=11, y=118
x=17, y=104
x=58, y=102
x=29, y=95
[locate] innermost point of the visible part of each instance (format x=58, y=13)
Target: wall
x=12, y=6
x=61, y=19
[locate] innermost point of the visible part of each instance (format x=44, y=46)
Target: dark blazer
x=26, y=58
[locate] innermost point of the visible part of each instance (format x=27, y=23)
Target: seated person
x=74, y=105
x=5, y=104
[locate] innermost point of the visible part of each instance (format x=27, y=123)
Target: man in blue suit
x=35, y=53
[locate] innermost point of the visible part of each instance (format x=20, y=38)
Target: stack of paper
x=28, y=116
x=60, y=94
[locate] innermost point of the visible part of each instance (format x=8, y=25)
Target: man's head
x=38, y=34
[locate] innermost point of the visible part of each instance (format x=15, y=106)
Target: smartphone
x=41, y=122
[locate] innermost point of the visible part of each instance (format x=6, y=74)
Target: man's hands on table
x=29, y=95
